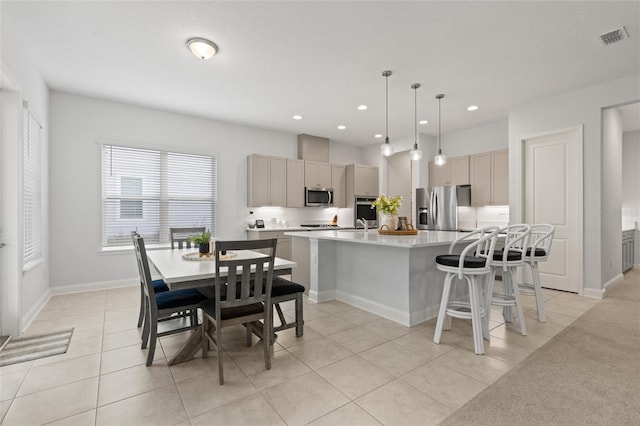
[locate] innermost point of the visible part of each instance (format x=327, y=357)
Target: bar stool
x=472, y=264
x=509, y=258
x=538, y=251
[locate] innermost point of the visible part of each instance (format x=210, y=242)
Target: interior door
x=553, y=194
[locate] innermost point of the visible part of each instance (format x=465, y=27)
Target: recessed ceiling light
x=423, y=121
x=342, y=127
x=297, y=117
x=362, y=107
x=472, y=108
x=202, y=48
x=378, y=136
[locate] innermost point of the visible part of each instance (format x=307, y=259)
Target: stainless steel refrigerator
x=437, y=207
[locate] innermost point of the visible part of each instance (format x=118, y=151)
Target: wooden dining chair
x=162, y=305
x=159, y=286
x=180, y=236
x=242, y=296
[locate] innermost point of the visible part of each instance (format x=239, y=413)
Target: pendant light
x=440, y=159
x=386, y=148
x=415, y=153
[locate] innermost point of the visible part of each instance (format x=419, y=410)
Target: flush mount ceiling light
x=342, y=127
x=362, y=107
x=297, y=117
x=202, y=48
x=422, y=122
x=472, y=108
x=386, y=148
x=415, y=153
x=440, y=159
x=377, y=136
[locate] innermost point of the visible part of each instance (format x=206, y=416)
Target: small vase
x=204, y=248
x=391, y=220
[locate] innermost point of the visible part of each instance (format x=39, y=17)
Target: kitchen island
x=392, y=276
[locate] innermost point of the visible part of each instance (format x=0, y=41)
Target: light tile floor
x=350, y=367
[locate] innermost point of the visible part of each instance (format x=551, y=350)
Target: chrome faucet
x=364, y=224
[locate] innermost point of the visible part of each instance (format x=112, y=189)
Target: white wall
x=580, y=107
x=487, y=137
x=78, y=123
x=611, y=194
x=26, y=83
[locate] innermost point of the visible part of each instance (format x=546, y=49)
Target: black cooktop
x=318, y=225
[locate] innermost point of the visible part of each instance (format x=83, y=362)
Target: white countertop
x=293, y=229
x=423, y=239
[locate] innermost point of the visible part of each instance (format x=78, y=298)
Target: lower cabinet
x=628, y=252
x=283, y=249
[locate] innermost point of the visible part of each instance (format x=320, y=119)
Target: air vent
x=614, y=36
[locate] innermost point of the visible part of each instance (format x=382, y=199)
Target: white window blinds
x=151, y=191
x=31, y=189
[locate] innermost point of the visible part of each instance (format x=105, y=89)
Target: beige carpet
x=587, y=374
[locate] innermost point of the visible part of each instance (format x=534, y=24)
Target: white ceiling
x=322, y=59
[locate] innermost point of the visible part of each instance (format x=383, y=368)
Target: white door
x=553, y=194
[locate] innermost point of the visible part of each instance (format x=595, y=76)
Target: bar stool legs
x=510, y=297
x=473, y=310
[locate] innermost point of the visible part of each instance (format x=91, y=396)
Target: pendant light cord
x=439, y=126
x=415, y=109
x=386, y=102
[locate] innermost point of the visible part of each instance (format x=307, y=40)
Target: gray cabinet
x=283, y=248
x=361, y=180
x=628, y=239
x=295, y=183
x=339, y=185
x=489, y=176
x=266, y=181
x=454, y=172
x=317, y=175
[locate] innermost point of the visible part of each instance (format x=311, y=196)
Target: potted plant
x=202, y=240
x=388, y=207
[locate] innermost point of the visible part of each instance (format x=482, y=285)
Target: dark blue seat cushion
x=538, y=252
x=511, y=256
x=209, y=307
x=454, y=260
x=281, y=287
x=159, y=286
x=178, y=298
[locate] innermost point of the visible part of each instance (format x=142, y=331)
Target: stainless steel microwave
x=318, y=197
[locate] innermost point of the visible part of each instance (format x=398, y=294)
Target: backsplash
x=285, y=217
x=492, y=216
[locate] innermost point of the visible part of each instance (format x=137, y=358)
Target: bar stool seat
x=471, y=265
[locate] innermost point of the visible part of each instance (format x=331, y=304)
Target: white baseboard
x=594, y=293
x=387, y=312
x=32, y=313
x=612, y=283
x=322, y=296
x=98, y=285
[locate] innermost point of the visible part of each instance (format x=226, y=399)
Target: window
x=151, y=191
x=31, y=191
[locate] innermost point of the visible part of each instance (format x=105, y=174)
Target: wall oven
x=364, y=210
x=318, y=197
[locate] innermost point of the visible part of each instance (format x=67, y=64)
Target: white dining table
x=180, y=273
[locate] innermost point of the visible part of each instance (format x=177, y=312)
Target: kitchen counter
x=392, y=276
x=358, y=236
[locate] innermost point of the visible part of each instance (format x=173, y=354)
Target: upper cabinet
x=317, y=175
x=295, y=183
x=490, y=178
x=339, y=185
x=267, y=180
x=454, y=172
x=361, y=180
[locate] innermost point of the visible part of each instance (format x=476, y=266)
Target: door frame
x=11, y=256
x=579, y=130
